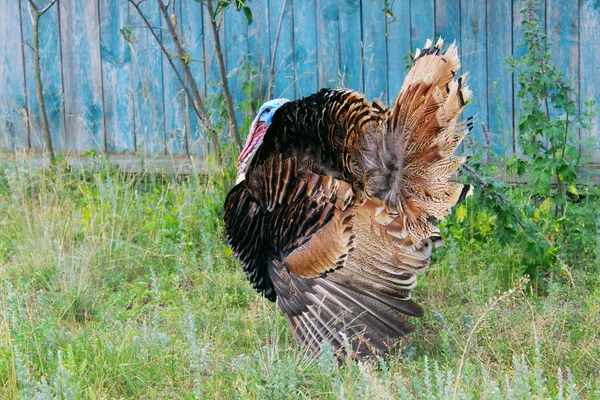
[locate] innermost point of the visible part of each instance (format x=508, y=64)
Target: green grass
x=119, y=286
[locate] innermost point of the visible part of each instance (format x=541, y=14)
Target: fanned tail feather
x=408, y=159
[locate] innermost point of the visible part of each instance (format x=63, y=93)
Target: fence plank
x=13, y=107
x=82, y=72
x=519, y=49
x=305, y=47
x=422, y=22
x=590, y=70
x=375, y=60
x=147, y=73
x=236, y=34
x=350, y=45
x=398, y=47
x=117, y=82
x=111, y=93
x=193, y=40
x=328, y=47
x=499, y=78
x=173, y=92
x=474, y=41
x=562, y=28
x=50, y=70
x=284, y=58
x=259, y=52
x=214, y=97
x=448, y=21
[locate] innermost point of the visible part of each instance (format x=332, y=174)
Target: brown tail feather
x=408, y=159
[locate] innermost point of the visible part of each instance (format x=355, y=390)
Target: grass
x=121, y=286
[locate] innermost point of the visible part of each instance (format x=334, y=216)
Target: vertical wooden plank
x=284, y=58
x=173, y=92
x=148, y=84
x=375, y=57
x=305, y=47
x=422, y=22
x=448, y=21
x=398, y=46
x=13, y=115
x=236, y=45
x=214, y=94
x=474, y=60
x=52, y=81
x=562, y=28
x=590, y=71
x=350, y=44
x=328, y=48
x=117, y=82
x=519, y=49
x=259, y=51
x=499, y=80
x=192, y=32
x=82, y=71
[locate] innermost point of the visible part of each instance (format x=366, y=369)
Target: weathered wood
x=398, y=46
x=422, y=22
x=375, y=52
x=351, y=55
x=148, y=80
x=121, y=96
x=117, y=77
x=448, y=21
x=499, y=78
x=284, y=58
x=518, y=51
x=328, y=45
x=214, y=101
x=193, y=42
x=51, y=67
x=259, y=53
x=305, y=47
x=236, y=47
x=173, y=92
x=473, y=49
x=13, y=107
x=82, y=72
x=590, y=71
x=128, y=163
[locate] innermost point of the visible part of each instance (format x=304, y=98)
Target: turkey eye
x=267, y=110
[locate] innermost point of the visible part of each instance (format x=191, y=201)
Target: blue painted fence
x=112, y=95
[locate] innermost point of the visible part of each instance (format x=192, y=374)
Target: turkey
x=334, y=208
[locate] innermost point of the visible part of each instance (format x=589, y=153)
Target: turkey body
x=336, y=211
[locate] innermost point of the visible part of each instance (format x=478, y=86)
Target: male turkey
x=336, y=198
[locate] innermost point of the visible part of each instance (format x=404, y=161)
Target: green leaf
x=248, y=13
x=461, y=213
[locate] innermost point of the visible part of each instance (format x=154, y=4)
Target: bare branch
x=197, y=102
x=36, y=14
x=47, y=7
x=223, y=72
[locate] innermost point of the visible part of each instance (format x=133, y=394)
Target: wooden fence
x=118, y=96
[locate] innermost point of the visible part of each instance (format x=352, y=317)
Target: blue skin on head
x=257, y=132
x=266, y=111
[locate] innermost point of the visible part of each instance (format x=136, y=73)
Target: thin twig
x=195, y=105
x=494, y=301
x=197, y=101
x=36, y=14
x=223, y=72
